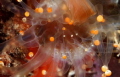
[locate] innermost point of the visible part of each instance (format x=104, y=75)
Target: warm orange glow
x=44, y=72
x=103, y=20
x=31, y=54
x=96, y=42
x=67, y=20
x=71, y=22
x=64, y=57
x=21, y=32
x=1, y=63
x=27, y=14
x=63, y=28
x=108, y=73
x=52, y=39
x=104, y=68
x=39, y=10
x=94, y=32
x=100, y=18
x=115, y=45
x=49, y=10
x=103, y=75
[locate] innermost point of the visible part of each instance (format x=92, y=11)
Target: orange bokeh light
x=96, y=42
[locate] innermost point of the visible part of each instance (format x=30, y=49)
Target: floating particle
x=52, y=39
x=64, y=57
x=39, y=10
x=49, y=9
x=104, y=68
x=63, y=28
x=44, y=72
x=64, y=35
x=27, y=14
x=71, y=35
x=67, y=20
x=71, y=22
x=31, y=54
x=108, y=73
x=96, y=42
x=118, y=55
x=95, y=32
x=24, y=19
x=100, y=18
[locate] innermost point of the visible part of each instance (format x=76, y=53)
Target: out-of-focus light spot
x=64, y=35
x=71, y=73
x=64, y=57
x=63, y=28
x=71, y=22
x=44, y=72
x=108, y=73
x=100, y=18
x=21, y=32
x=1, y=63
x=24, y=19
x=115, y=45
x=27, y=14
x=67, y=19
x=31, y=54
x=104, y=68
x=89, y=71
x=92, y=45
x=96, y=42
x=39, y=10
x=86, y=49
x=118, y=55
x=95, y=32
x=71, y=35
x=52, y=39
x=76, y=34
x=19, y=0
x=49, y=9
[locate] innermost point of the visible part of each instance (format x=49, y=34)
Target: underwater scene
x=59, y=38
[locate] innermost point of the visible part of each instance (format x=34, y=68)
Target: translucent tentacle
x=38, y=60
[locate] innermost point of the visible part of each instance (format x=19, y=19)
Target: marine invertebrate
x=59, y=31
